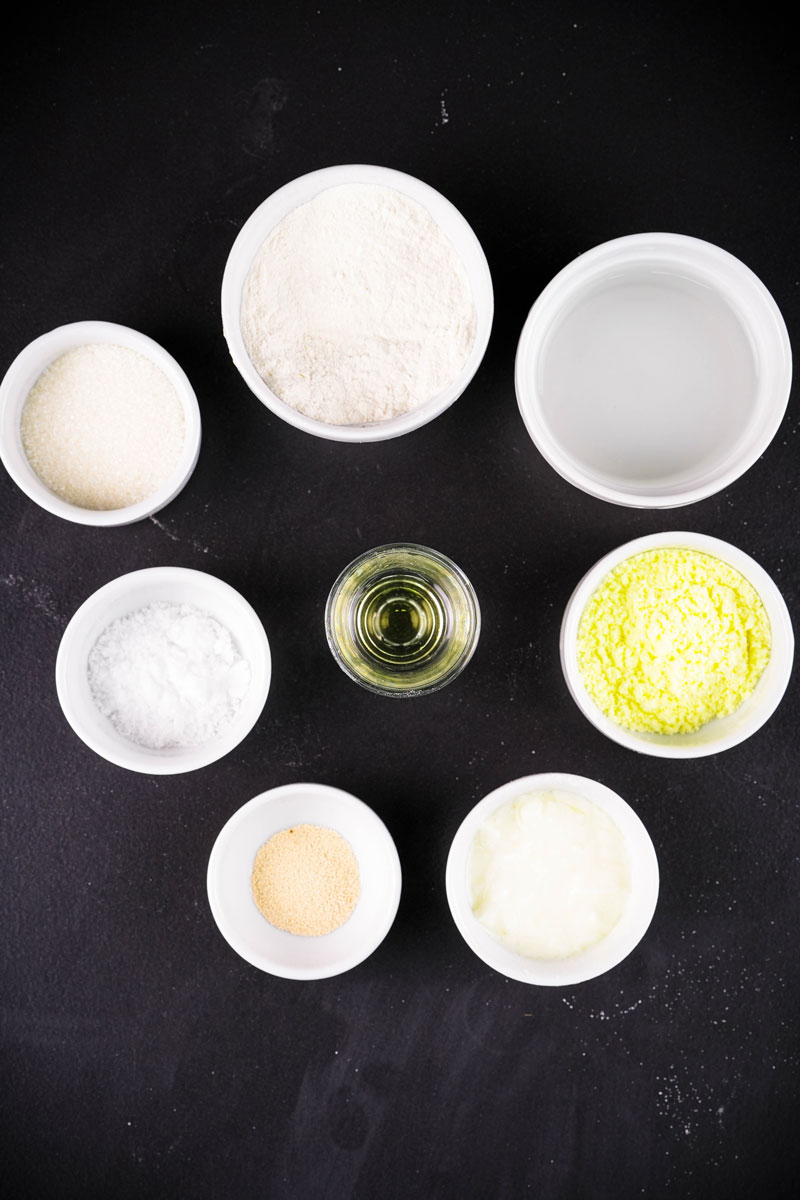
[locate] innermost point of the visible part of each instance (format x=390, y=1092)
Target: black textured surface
x=140, y=1056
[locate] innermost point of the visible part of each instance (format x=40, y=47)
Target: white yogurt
x=549, y=874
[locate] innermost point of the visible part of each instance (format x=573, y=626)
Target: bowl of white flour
x=357, y=303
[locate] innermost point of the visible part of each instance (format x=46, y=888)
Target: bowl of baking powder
x=98, y=423
x=357, y=303
x=163, y=670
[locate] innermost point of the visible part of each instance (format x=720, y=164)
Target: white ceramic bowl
x=174, y=585
x=299, y=191
x=230, y=868
x=587, y=964
x=721, y=733
x=22, y=375
x=653, y=370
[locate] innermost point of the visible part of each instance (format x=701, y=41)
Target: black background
x=140, y=1055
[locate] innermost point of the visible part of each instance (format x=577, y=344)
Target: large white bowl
x=653, y=370
x=23, y=374
x=230, y=868
x=299, y=191
x=723, y=732
x=174, y=585
x=616, y=945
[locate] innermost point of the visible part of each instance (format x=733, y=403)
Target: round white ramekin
x=597, y=959
x=721, y=733
x=230, y=868
x=653, y=370
x=22, y=375
x=126, y=593
x=299, y=191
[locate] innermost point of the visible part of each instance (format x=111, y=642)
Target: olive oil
x=402, y=620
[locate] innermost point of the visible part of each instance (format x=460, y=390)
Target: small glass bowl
x=402, y=620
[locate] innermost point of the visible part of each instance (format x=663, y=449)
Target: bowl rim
x=189, y=758
x=22, y=373
x=301, y=791
x=682, y=745
x=597, y=959
x=690, y=253
x=267, y=215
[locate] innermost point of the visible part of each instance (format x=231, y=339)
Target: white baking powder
x=168, y=675
x=357, y=307
x=103, y=426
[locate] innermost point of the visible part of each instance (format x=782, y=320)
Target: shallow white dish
x=23, y=374
x=653, y=370
x=587, y=964
x=269, y=213
x=230, y=868
x=175, y=585
x=719, y=734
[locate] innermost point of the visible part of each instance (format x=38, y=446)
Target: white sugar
x=168, y=675
x=103, y=427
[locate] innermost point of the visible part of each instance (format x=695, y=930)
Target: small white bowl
x=718, y=734
x=173, y=585
x=230, y=867
x=653, y=370
x=23, y=374
x=299, y=191
x=597, y=959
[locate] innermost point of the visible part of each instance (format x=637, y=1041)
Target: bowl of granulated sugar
x=304, y=881
x=98, y=423
x=357, y=303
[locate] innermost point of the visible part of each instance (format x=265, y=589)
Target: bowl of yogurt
x=552, y=879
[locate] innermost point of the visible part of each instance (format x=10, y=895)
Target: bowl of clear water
x=653, y=370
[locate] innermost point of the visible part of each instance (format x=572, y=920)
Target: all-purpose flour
x=357, y=307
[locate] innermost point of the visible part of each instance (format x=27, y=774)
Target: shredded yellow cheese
x=671, y=639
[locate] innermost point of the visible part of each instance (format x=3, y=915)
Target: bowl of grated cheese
x=357, y=303
x=98, y=423
x=677, y=644
x=304, y=881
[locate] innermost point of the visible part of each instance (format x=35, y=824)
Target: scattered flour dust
x=103, y=426
x=357, y=307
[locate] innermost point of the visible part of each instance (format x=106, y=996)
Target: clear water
x=648, y=378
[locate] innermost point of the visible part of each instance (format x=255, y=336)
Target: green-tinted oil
x=400, y=621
